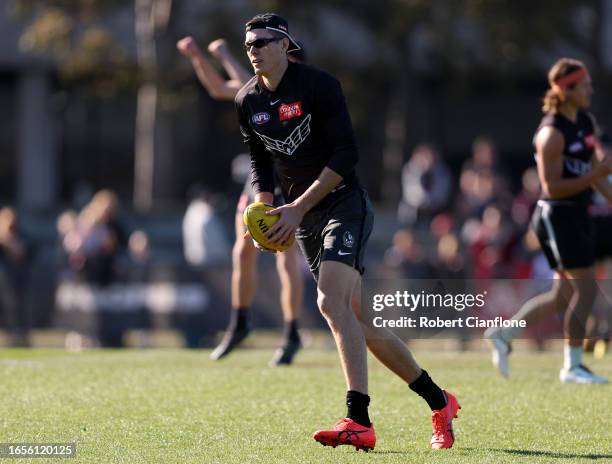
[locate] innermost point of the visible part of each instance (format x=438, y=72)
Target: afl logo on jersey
x=261, y=118
x=291, y=110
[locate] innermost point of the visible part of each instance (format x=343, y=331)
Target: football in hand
x=259, y=223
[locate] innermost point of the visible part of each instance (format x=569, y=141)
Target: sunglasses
x=260, y=43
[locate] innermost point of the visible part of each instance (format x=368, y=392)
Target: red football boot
x=348, y=432
x=442, y=423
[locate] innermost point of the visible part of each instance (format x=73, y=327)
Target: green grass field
x=177, y=406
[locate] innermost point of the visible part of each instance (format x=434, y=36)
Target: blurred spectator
x=113, y=324
x=449, y=262
x=108, y=204
x=139, y=257
x=481, y=182
x=476, y=192
x=524, y=202
x=204, y=237
x=15, y=260
x=92, y=246
x=484, y=156
x=490, y=245
x=135, y=266
x=441, y=225
x=65, y=225
x=426, y=186
x=407, y=257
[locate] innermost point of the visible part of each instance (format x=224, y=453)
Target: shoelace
x=439, y=424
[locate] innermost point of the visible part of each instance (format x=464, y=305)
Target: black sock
x=357, y=404
x=291, y=334
x=429, y=391
x=239, y=319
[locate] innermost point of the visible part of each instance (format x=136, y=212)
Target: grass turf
x=178, y=406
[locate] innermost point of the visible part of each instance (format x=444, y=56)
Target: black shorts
x=339, y=232
x=602, y=225
x=565, y=232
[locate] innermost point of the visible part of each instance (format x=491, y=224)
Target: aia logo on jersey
x=288, y=111
x=590, y=141
x=261, y=118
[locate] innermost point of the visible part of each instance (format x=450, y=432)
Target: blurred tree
x=89, y=57
x=153, y=140
x=86, y=52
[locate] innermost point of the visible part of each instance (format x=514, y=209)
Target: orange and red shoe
x=348, y=432
x=442, y=423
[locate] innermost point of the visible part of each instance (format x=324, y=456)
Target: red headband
x=572, y=78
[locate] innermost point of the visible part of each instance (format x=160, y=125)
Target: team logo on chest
x=293, y=140
x=261, y=118
x=348, y=239
x=289, y=110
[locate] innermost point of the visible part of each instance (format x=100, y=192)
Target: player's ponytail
x=551, y=101
x=562, y=68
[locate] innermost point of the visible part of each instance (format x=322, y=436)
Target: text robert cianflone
x=413, y=301
x=423, y=322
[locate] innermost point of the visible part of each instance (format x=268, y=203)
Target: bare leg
x=585, y=290
x=292, y=285
x=244, y=268
x=532, y=312
x=244, y=283
x=545, y=305
x=335, y=288
x=292, y=289
x=386, y=346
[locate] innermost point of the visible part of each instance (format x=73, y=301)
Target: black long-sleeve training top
x=297, y=130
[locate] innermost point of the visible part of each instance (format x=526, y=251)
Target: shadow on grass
x=549, y=454
x=518, y=452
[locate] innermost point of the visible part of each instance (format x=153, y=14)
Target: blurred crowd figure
x=426, y=186
x=15, y=261
x=476, y=229
x=96, y=249
x=469, y=225
x=92, y=240
x=205, y=240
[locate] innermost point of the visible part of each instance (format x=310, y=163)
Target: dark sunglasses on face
x=260, y=43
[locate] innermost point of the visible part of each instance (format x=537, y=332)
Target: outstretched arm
x=219, y=49
x=213, y=82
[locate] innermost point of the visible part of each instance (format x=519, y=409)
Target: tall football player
x=295, y=120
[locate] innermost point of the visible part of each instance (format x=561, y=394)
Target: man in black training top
x=295, y=121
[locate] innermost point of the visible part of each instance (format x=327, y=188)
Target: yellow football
x=259, y=223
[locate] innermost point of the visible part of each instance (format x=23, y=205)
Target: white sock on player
x=572, y=357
